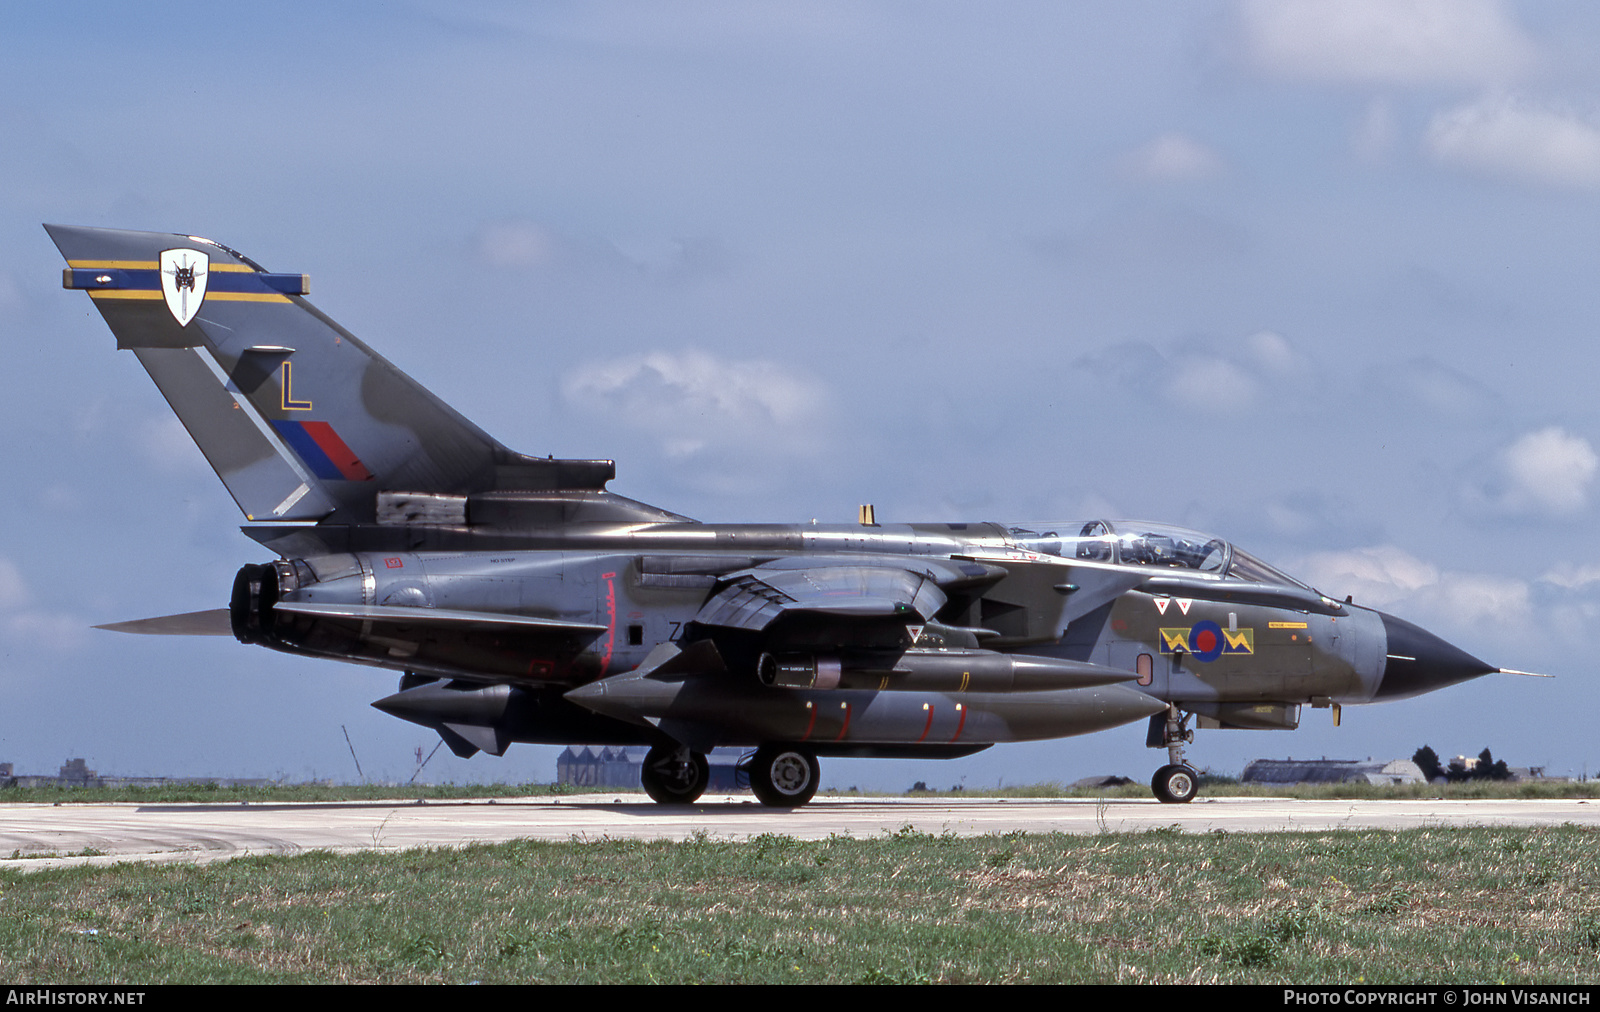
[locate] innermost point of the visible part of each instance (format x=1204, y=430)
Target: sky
x=1316, y=278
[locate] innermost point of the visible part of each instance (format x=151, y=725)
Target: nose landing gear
x=1176, y=783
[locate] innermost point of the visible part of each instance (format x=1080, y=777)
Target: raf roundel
x=1205, y=641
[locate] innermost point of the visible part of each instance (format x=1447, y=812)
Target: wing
x=838, y=601
x=772, y=636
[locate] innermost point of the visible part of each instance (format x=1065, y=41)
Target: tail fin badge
x=183, y=282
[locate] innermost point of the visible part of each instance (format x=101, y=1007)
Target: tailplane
x=300, y=420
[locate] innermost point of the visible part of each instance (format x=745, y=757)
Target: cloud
x=1386, y=41
x=651, y=253
x=1272, y=353
x=54, y=630
x=21, y=623
x=1549, y=470
x=1572, y=575
x=1211, y=383
x=692, y=400
x=528, y=246
x=1516, y=139
x=1427, y=383
x=662, y=257
x=1471, y=599
x=1391, y=579
x=1377, y=576
x=1376, y=134
x=514, y=244
x=1321, y=513
x=1172, y=157
x=1209, y=377
x=13, y=589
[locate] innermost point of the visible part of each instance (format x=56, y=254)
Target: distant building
x=1464, y=767
x=76, y=773
x=1102, y=781
x=1332, y=771
x=585, y=766
x=606, y=768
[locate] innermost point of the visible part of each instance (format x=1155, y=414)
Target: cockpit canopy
x=1137, y=543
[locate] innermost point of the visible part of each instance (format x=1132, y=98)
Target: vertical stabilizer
x=300, y=420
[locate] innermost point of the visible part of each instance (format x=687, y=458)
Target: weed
x=878, y=976
x=1585, y=937
x=423, y=952
x=1000, y=858
x=1248, y=948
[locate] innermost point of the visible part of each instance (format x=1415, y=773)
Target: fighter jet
x=522, y=601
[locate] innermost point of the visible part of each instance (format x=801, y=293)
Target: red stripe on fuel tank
x=962, y=710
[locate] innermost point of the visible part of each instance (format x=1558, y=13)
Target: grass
x=1439, y=905
x=1214, y=787
x=276, y=793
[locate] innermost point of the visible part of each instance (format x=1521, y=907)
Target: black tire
x=784, y=777
x=1175, y=785
x=670, y=780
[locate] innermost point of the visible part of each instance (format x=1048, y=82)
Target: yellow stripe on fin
x=245, y=297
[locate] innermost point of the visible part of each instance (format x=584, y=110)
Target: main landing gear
x=1177, y=782
x=674, y=776
x=783, y=777
x=780, y=775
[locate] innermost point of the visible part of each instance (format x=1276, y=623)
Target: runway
x=36, y=837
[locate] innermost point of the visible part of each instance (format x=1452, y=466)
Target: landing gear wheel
x=1175, y=785
x=673, y=776
x=783, y=777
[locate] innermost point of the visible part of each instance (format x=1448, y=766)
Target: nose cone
x=626, y=697
x=448, y=702
x=1418, y=662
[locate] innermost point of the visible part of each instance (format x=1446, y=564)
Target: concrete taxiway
x=50, y=836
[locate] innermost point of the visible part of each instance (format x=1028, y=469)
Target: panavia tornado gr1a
x=522, y=601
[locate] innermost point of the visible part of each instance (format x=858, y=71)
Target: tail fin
x=300, y=420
